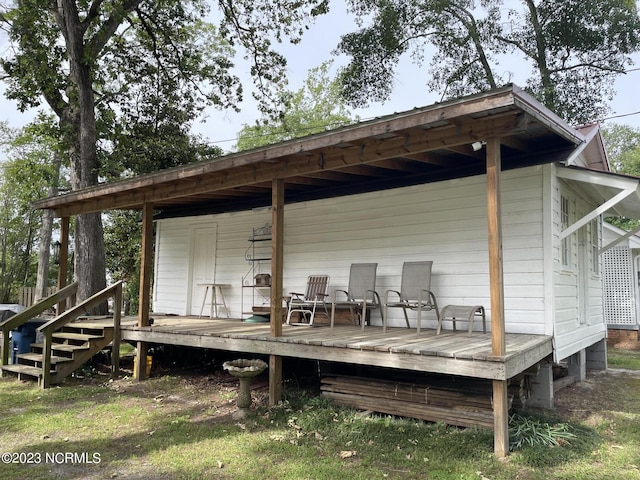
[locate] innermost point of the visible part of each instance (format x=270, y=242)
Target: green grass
x=179, y=427
x=629, y=359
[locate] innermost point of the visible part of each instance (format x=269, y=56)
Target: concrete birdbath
x=244, y=370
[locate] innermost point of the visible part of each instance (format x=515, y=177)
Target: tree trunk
x=42, y=278
x=550, y=99
x=89, y=253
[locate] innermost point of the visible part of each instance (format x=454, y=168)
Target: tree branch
x=109, y=27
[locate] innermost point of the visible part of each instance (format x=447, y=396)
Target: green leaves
x=530, y=431
x=316, y=107
x=575, y=49
x=256, y=25
x=24, y=177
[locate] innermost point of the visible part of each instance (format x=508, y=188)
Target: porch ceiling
x=423, y=145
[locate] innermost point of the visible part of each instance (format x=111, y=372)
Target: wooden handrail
x=68, y=316
x=36, y=309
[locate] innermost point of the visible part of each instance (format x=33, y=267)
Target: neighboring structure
x=503, y=196
x=621, y=272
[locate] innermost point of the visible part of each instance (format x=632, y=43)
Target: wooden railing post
x=115, y=344
x=46, y=359
x=4, y=358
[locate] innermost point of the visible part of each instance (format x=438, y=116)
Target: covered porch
x=478, y=135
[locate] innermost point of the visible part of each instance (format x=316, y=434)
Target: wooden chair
x=361, y=294
x=307, y=303
x=415, y=292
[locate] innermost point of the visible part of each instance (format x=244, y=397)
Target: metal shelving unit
x=256, y=283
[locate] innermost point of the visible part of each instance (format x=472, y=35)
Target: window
x=564, y=224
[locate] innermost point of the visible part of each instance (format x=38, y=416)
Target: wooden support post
x=277, y=263
x=500, y=419
x=145, y=288
x=146, y=263
x=140, y=364
x=277, y=270
x=63, y=261
x=275, y=379
x=496, y=281
x=498, y=344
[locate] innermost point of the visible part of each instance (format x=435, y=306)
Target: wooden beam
x=441, y=113
x=500, y=419
x=146, y=263
x=277, y=263
x=144, y=303
x=619, y=240
x=428, y=157
x=275, y=379
x=496, y=287
x=494, y=216
x=612, y=202
x=140, y=364
x=214, y=178
x=63, y=261
x=277, y=270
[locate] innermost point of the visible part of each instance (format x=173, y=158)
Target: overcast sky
x=221, y=127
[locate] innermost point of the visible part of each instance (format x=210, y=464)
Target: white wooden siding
x=445, y=222
x=571, y=332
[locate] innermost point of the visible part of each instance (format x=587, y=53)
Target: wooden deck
x=453, y=353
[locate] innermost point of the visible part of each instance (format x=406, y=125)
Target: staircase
x=71, y=347
x=67, y=342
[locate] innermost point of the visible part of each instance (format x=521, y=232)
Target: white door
x=202, y=266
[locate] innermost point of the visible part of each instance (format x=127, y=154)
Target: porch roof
x=423, y=145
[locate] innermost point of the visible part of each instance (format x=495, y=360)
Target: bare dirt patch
x=599, y=393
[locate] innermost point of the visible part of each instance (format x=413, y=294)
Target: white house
x=502, y=195
x=552, y=231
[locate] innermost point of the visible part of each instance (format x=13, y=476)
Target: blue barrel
x=23, y=336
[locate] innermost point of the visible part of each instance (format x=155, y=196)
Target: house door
x=202, y=265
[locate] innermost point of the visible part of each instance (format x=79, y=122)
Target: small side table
x=217, y=298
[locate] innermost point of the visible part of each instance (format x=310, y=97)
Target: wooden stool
x=217, y=298
x=462, y=313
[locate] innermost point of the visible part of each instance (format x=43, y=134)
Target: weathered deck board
x=450, y=352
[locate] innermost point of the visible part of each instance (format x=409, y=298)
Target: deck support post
x=500, y=419
x=144, y=304
x=277, y=270
x=63, y=261
x=275, y=379
x=498, y=341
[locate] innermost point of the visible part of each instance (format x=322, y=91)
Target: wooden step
x=71, y=347
x=61, y=347
x=81, y=337
x=90, y=325
x=37, y=357
x=23, y=370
